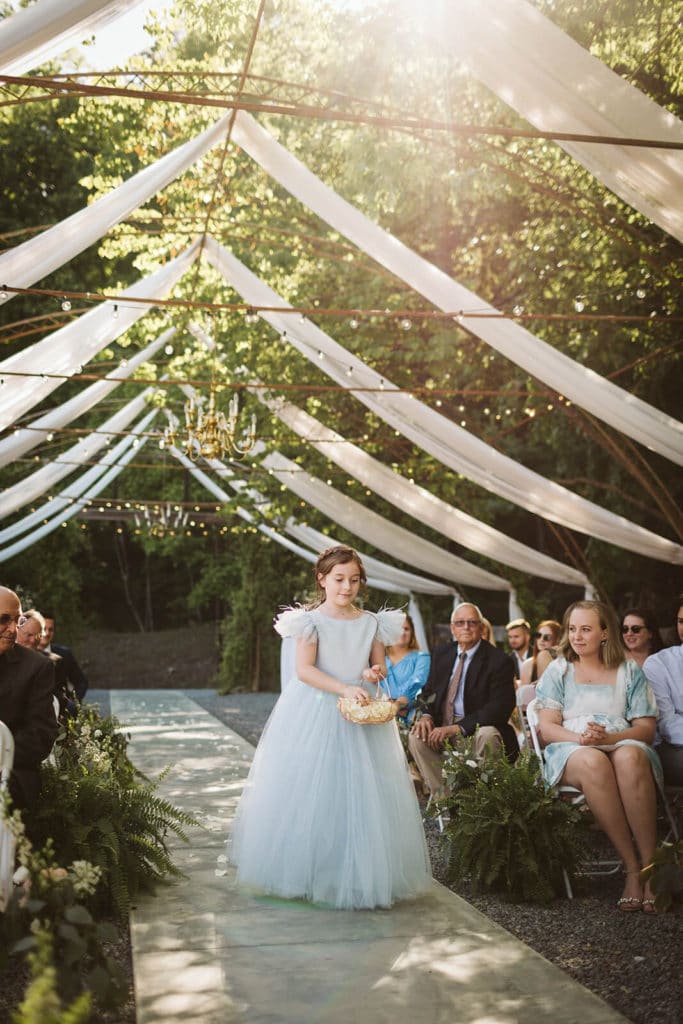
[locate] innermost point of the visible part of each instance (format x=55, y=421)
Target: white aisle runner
x=205, y=953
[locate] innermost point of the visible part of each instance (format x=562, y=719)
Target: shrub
x=506, y=832
x=97, y=807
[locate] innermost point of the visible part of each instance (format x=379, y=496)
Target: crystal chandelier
x=161, y=519
x=211, y=434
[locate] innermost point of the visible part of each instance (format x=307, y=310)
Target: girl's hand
x=356, y=693
x=374, y=674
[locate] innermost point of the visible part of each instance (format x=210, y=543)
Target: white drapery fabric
x=77, y=506
x=384, y=577
x=32, y=260
x=588, y=390
x=45, y=478
x=22, y=440
x=65, y=351
x=378, y=531
x=434, y=433
x=77, y=487
x=543, y=74
x=399, y=581
x=417, y=501
x=35, y=34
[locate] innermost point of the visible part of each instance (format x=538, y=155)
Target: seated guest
x=77, y=678
x=487, y=633
x=640, y=634
x=407, y=668
x=30, y=633
x=597, y=715
x=519, y=640
x=664, y=672
x=546, y=639
x=26, y=687
x=469, y=692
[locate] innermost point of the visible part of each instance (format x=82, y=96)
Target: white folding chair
x=7, y=841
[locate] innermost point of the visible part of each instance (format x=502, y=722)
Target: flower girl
x=329, y=812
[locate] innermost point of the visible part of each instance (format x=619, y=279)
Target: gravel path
x=633, y=961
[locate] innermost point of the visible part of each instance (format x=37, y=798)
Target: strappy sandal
x=630, y=904
x=649, y=906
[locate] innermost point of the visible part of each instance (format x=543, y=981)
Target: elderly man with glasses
x=470, y=691
x=26, y=685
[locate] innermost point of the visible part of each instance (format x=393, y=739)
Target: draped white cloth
x=45, y=478
x=417, y=501
x=35, y=34
x=39, y=256
x=65, y=351
x=588, y=390
x=434, y=433
x=548, y=78
x=76, y=488
x=22, y=440
x=397, y=580
x=384, y=577
x=378, y=531
x=77, y=506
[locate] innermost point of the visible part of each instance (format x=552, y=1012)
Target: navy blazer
x=489, y=695
x=27, y=681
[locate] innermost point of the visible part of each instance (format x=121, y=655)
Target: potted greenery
x=506, y=832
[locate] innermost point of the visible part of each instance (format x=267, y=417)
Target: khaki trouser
x=430, y=762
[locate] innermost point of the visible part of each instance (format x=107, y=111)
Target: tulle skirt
x=329, y=812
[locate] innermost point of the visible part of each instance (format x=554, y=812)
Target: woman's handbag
x=381, y=708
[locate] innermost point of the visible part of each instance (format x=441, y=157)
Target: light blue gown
x=612, y=706
x=329, y=811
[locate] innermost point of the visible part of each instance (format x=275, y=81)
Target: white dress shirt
x=664, y=671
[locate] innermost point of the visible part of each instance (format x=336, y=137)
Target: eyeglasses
x=6, y=618
x=469, y=623
x=631, y=629
x=544, y=636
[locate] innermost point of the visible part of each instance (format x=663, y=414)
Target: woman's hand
x=374, y=674
x=593, y=735
x=357, y=693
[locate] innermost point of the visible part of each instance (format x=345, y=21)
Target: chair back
x=7, y=841
x=532, y=721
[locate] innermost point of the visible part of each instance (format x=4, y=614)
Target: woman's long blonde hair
x=611, y=650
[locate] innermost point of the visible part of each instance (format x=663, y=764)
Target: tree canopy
x=515, y=219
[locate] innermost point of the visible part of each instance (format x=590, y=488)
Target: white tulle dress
x=329, y=812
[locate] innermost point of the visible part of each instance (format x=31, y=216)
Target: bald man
x=26, y=686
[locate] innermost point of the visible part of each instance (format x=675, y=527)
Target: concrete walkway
x=206, y=953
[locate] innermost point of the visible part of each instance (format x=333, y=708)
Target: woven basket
x=379, y=710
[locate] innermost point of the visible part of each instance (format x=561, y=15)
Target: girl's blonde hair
x=327, y=559
x=611, y=649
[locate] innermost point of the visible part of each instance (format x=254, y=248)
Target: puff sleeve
x=389, y=625
x=296, y=622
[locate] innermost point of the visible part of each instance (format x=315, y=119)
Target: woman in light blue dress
x=597, y=715
x=407, y=669
x=329, y=812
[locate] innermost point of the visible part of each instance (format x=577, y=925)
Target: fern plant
x=506, y=832
x=98, y=808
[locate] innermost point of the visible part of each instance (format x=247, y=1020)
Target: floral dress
x=613, y=706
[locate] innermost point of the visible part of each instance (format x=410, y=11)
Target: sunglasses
x=5, y=619
x=631, y=629
x=470, y=623
x=544, y=636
